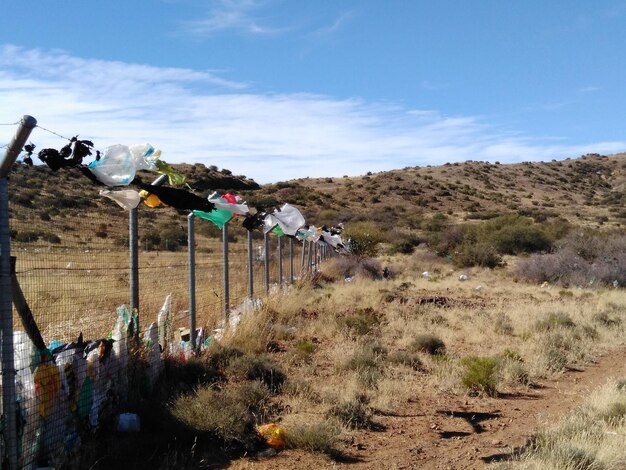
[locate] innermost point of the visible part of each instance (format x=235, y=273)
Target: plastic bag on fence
x=151, y=340
x=230, y=203
x=151, y=200
x=218, y=216
x=116, y=167
x=289, y=218
x=48, y=391
x=145, y=156
x=120, y=350
x=127, y=198
x=164, y=321
x=176, y=178
x=28, y=420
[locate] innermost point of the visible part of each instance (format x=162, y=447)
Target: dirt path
x=451, y=432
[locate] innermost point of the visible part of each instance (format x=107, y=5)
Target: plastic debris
x=463, y=277
x=128, y=422
x=273, y=434
x=164, y=321
x=116, y=167
x=175, y=178
x=219, y=217
x=127, y=198
x=230, y=203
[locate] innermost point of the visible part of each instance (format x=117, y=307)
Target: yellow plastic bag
x=273, y=434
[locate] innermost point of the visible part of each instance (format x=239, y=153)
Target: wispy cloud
x=335, y=26
x=239, y=15
x=589, y=89
x=194, y=116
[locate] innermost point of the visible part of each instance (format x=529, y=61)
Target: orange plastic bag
x=273, y=434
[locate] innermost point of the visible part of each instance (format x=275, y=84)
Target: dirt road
x=458, y=432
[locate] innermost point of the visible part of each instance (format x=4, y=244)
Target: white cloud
x=194, y=116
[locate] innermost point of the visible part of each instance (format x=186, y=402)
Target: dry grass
x=589, y=437
x=375, y=337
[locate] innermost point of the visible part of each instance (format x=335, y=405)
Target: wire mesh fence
x=73, y=271
x=78, y=350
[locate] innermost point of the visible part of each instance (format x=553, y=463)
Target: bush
x=360, y=322
x=405, y=358
x=354, y=413
x=364, y=238
x=229, y=414
x=553, y=321
x=318, y=437
x=429, y=344
x=580, y=259
x=259, y=368
x=480, y=375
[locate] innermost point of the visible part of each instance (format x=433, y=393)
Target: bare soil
x=441, y=431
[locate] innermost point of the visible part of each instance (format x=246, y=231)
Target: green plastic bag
x=176, y=178
x=218, y=216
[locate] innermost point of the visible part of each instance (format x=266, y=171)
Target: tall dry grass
x=589, y=437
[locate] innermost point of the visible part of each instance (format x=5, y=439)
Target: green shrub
x=480, y=254
x=480, y=375
x=364, y=238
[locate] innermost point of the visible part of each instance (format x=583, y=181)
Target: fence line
x=75, y=275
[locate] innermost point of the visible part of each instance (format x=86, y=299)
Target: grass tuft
x=429, y=344
x=480, y=375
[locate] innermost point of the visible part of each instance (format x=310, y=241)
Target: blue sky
x=281, y=89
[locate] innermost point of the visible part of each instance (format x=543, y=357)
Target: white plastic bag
x=116, y=167
x=126, y=198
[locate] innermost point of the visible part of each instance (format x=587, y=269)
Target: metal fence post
x=250, y=267
x=304, y=243
x=14, y=148
x=310, y=257
x=133, y=249
x=226, y=286
x=280, y=261
x=191, y=251
x=315, y=255
x=266, y=260
x=266, y=247
x=291, y=261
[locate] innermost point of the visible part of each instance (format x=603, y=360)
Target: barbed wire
x=52, y=132
x=10, y=123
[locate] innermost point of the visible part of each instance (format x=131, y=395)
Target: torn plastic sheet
x=229, y=202
x=218, y=216
x=126, y=198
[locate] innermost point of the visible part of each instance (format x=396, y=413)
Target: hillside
x=586, y=191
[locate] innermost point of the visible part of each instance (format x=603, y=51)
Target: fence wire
x=72, y=269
